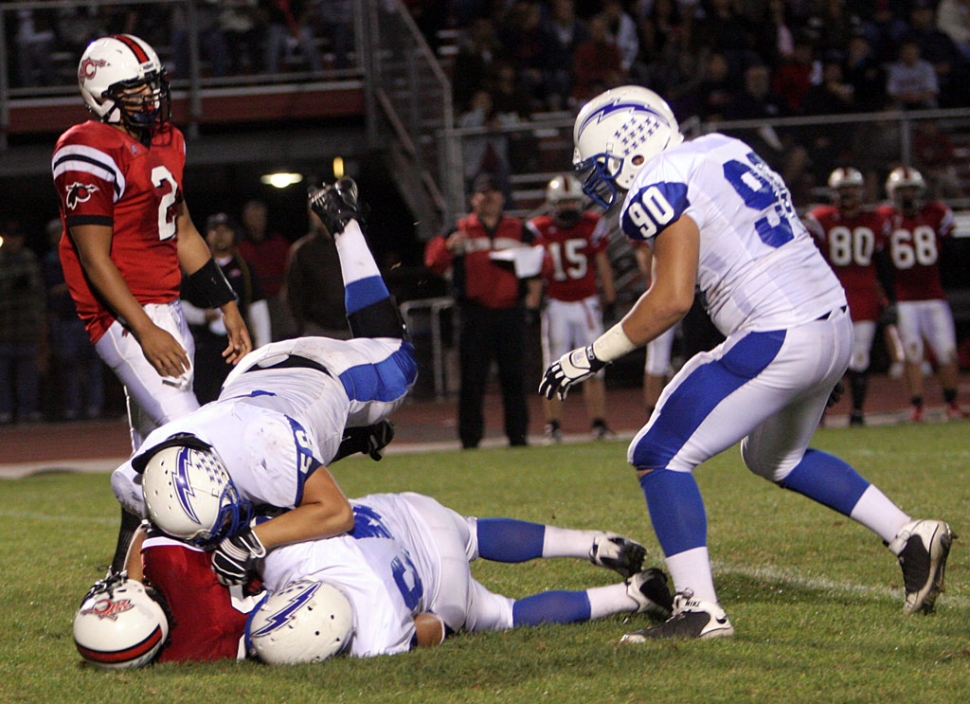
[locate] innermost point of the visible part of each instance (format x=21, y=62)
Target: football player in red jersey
x=128, y=236
x=575, y=256
x=852, y=238
x=918, y=232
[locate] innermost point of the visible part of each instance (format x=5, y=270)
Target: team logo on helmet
x=109, y=608
x=88, y=68
x=79, y=193
x=183, y=488
x=281, y=617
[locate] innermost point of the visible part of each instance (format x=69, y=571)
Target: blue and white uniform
x=767, y=289
x=407, y=555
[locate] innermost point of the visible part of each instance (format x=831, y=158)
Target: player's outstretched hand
x=236, y=557
x=240, y=344
x=572, y=368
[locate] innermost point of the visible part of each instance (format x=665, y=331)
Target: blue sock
x=551, y=607
x=676, y=510
x=508, y=540
x=828, y=480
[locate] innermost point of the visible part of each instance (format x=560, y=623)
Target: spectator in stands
x=953, y=18
x=521, y=34
x=79, y=370
x=562, y=32
x=476, y=53
x=206, y=324
x=269, y=251
x=315, y=286
x=488, y=152
x=934, y=154
x=885, y=30
x=827, y=144
x=243, y=29
x=717, y=89
x=35, y=42
x=623, y=31
x=22, y=329
x=864, y=73
x=598, y=64
x=776, y=146
x=657, y=21
x=793, y=77
x=911, y=80
x=939, y=49
x=288, y=30
x=335, y=23
x=212, y=43
x=776, y=37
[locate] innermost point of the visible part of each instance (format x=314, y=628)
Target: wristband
x=612, y=344
x=210, y=286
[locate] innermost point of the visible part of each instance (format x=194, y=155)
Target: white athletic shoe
x=922, y=548
x=622, y=555
x=692, y=618
x=649, y=589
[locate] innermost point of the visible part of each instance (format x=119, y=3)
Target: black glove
x=836, y=394
x=369, y=440
x=236, y=557
x=889, y=315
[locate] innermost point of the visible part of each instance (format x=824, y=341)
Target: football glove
x=369, y=440
x=113, y=579
x=572, y=368
x=236, y=557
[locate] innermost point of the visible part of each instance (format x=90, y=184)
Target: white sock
x=356, y=260
x=880, y=515
x=691, y=569
x=609, y=600
x=564, y=542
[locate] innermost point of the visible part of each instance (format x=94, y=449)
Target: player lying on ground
x=401, y=579
x=278, y=423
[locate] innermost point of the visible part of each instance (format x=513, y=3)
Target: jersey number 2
x=166, y=212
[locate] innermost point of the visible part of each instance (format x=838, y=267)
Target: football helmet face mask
x=122, y=81
x=189, y=494
x=905, y=186
x=307, y=621
x=846, y=185
x=119, y=625
x=615, y=134
x=565, y=194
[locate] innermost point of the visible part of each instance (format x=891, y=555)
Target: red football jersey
x=914, y=247
x=105, y=177
x=206, y=625
x=848, y=245
x=569, y=270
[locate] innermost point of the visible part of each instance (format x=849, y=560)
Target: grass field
x=815, y=599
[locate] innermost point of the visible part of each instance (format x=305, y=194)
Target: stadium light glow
x=338, y=167
x=281, y=179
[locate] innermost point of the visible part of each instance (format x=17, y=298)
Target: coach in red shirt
x=492, y=317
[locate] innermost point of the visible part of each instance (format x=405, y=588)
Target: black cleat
x=336, y=205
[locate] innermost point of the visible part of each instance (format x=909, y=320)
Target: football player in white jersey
x=400, y=579
x=279, y=421
x=719, y=219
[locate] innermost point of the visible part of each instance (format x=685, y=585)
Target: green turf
x=816, y=600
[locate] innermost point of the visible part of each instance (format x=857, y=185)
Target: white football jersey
x=385, y=567
x=758, y=266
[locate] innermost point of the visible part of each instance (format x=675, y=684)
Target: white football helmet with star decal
x=616, y=133
x=307, y=621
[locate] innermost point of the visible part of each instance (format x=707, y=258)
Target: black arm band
x=380, y=319
x=209, y=287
